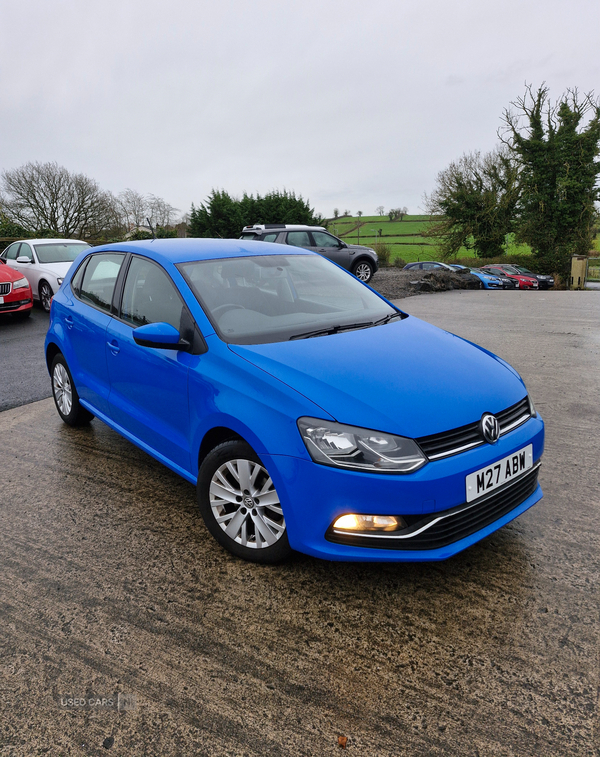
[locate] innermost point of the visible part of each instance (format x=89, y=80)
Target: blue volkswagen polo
x=310, y=413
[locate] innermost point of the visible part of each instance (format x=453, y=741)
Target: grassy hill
x=405, y=237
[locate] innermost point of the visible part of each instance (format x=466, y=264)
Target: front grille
x=5, y=288
x=466, y=437
x=451, y=525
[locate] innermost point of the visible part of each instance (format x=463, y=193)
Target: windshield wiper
x=332, y=330
x=388, y=318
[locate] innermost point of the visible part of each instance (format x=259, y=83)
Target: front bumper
x=313, y=496
x=19, y=304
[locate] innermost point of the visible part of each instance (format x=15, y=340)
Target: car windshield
x=56, y=252
x=512, y=269
x=273, y=298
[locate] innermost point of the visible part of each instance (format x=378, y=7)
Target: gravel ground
x=395, y=283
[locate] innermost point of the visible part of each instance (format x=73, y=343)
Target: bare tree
x=395, y=214
x=133, y=207
x=47, y=197
x=160, y=212
x=136, y=208
x=359, y=214
x=380, y=210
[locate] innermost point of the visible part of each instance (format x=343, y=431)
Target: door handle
x=114, y=347
x=69, y=322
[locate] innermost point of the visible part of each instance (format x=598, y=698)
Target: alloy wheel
x=363, y=271
x=246, y=505
x=63, y=392
x=45, y=296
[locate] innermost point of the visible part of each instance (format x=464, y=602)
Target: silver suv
x=361, y=261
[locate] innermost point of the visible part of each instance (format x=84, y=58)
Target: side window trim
x=81, y=273
x=117, y=299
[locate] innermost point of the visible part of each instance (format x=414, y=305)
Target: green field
x=405, y=237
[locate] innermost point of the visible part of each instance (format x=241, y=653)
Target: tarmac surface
x=23, y=374
x=112, y=589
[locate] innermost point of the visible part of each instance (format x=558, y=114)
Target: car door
x=149, y=386
x=11, y=253
x=88, y=314
x=331, y=247
x=28, y=269
x=299, y=239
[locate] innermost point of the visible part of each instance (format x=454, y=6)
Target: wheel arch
x=52, y=350
x=214, y=437
x=364, y=259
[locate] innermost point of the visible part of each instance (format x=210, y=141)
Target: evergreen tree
x=224, y=216
x=558, y=172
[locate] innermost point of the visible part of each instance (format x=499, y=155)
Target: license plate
x=494, y=476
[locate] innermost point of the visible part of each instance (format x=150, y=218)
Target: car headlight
x=532, y=409
x=361, y=449
x=60, y=281
x=20, y=283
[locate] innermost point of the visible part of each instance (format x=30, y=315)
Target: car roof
x=281, y=227
x=190, y=249
x=53, y=241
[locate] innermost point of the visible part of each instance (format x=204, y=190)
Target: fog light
x=354, y=522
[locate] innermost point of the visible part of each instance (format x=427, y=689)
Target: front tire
x=364, y=271
x=65, y=395
x=240, y=505
x=46, y=294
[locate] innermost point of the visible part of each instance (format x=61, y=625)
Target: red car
x=525, y=282
x=15, y=292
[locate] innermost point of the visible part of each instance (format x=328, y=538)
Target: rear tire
x=364, y=271
x=46, y=294
x=65, y=395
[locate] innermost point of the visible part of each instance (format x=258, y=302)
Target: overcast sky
x=350, y=104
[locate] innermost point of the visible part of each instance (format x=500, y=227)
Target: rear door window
x=99, y=279
x=299, y=239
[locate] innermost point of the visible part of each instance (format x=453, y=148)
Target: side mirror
x=24, y=259
x=342, y=245
x=161, y=336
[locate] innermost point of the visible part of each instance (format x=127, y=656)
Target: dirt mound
x=394, y=283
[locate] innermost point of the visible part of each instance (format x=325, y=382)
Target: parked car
x=359, y=260
x=429, y=265
x=44, y=263
x=15, y=293
x=522, y=281
x=486, y=280
x=310, y=413
x=545, y=281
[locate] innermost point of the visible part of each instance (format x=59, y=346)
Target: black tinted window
x=25, y=251
x=299, y=239
x=99, y=279
x=78, y=278
x=324, y=240
x=12, y=252
x=150, y=296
